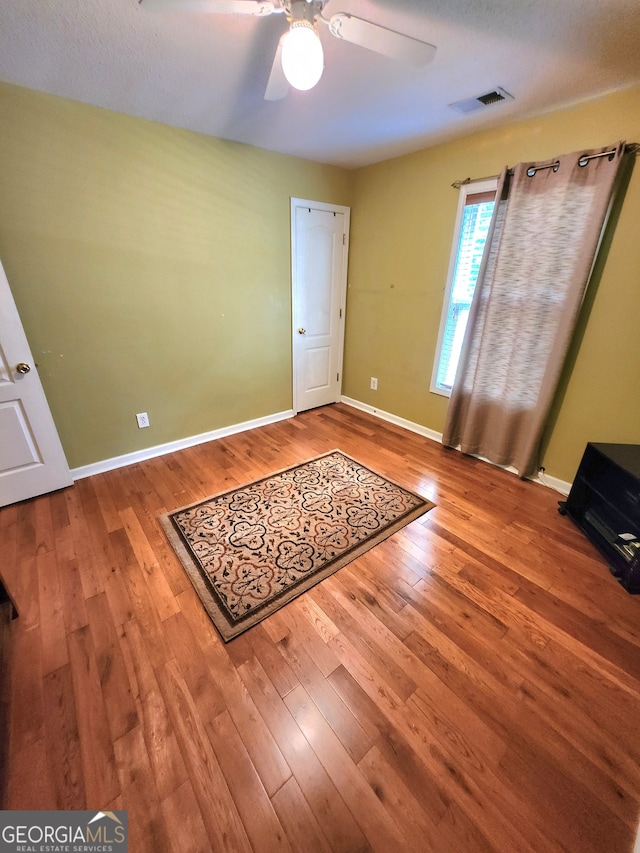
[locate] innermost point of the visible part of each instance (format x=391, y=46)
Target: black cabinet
x=605, y=504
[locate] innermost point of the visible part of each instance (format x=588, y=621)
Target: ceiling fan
x=299, y=59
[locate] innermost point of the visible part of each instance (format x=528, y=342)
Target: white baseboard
x=394, y=419
x=553, y=483
x=172, y=446
x=550, y=482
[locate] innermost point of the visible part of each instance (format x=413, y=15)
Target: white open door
x=319, y=252
x=32, y=461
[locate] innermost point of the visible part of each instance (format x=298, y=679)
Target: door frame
x=295, y=284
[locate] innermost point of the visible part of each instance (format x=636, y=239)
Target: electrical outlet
x=143, y=420
x=374, y=383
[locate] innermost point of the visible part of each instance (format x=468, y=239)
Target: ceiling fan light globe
x=302, y=56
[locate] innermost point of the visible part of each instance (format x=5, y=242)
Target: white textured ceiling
x=208, y=73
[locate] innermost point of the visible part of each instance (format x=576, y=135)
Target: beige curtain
x=538, y=257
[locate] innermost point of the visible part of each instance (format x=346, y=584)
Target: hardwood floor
x=471, y=684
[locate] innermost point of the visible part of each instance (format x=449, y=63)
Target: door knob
x=302, y=331
x=23, y=368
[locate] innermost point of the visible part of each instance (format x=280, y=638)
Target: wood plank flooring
x=472, y=684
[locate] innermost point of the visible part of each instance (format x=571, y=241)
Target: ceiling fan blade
x=220, y=7
x=278, y=86
x=381, y=40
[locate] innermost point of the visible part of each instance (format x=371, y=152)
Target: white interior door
x=32, y=461
x=319, y=246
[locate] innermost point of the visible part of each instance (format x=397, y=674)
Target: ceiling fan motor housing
x=304, y=10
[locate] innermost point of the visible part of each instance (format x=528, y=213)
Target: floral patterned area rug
x=250, y=550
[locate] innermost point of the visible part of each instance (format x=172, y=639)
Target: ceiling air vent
x=482, y=101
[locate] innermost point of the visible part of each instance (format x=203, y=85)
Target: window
x=475, y=209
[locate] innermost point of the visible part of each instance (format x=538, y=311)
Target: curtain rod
x=632, y=148
x=457, y=184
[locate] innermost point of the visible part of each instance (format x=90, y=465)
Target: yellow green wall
x=151, y=269
x=401, y=226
